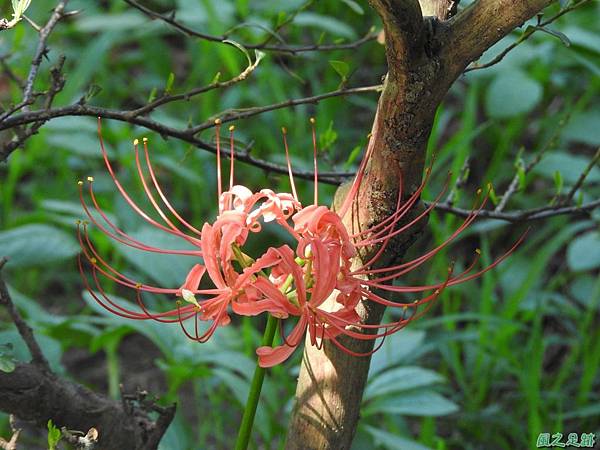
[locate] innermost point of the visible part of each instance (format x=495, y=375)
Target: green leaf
x=341, y=68
x=417, y=403
x=54, y=435
x=493, y=196
x=325, y=23
x=570, y=167
x=170, y=82
x=36, y=245
x=521, y=174
x=327, y=138
x=240, y=47
x=393, y=441
x=562, y=36
x=558, y=182
x=397, y=348
x=583, y=252
x=7, y=359
x=583, y=127
x=354, y=6
x=400, y=379
x=352, y=156
x=512, y=93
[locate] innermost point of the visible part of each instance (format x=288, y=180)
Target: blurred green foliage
x=499, y=360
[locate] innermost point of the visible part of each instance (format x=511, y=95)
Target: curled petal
x=269, y=356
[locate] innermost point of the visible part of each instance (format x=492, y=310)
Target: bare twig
x=582, y=178
x=243, y=113
x=550, y=143
x=170, y=19
x=188, y=135
x=521, y=215
x=42, y=49
x=187, y=95
x=526, y=35
x=24, y=330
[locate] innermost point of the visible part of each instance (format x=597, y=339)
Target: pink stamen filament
x=289, y=164
x=162, y=195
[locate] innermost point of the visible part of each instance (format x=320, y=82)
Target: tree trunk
x=425, y=56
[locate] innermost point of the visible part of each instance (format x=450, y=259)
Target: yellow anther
x=136, y=141
x=178, y=302
x=145, y=139
x=90, y=179
x=369, y=135
x=312, y=120
x=478, y=191
x=93, y=261
x=478, y=251
x=217, y=121
x=138, y=285
x=78, y=222
x=231, y=127
x=80, y=183
x=284, y=130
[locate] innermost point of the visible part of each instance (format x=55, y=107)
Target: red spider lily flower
x=318, y=282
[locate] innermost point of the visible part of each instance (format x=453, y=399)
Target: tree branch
x=57, y=14
x=404, y=32
x=527, y=215
x=33, y=392
x=291, y=49
x=188, y=135
x=525, y=36
x=24, y=330
x=475, y=29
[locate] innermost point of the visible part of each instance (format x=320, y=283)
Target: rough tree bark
x=33, y=392
x=425, y=56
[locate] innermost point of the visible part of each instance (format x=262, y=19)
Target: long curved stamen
x=151, y=198
x=289, y=164
x=127, y=314
x=421, y=259
x=122, y=191
x=315, y=168
x=218, y=137
x=400, y=230
x=114, y=275
x=125, y=238
x=231, y=156
x=400, y=210
x=161, y=193
x=351, y=196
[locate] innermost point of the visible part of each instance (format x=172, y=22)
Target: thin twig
x=57, y=14
x=193, y=92
x=231, y=115
x=170, y=19
x=526, y=35
x=24, y=330
x=188, y=135
x=582, y=178
x=550, y=143
x=520, y=215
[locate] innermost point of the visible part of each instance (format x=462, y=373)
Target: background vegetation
x=498, y=361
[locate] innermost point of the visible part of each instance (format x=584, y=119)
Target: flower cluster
x=318, y=281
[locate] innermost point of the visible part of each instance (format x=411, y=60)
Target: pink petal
x=192, y=281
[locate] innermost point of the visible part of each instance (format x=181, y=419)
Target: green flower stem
x=255, y=388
